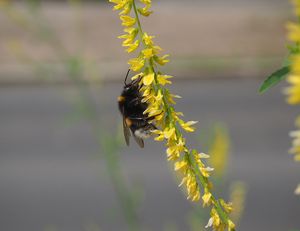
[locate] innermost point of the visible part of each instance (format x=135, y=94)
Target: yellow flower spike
x=136, y=64
x=127, y=20
x=163, y=115
x=148, y=79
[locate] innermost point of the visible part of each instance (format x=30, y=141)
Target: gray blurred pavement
x=51, y=175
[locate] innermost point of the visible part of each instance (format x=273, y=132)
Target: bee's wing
x=126, y=132
x=139, y=141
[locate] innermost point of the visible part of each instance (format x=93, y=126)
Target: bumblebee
x=135, y=122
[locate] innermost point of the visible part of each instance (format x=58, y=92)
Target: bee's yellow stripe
x=121, y=98
x=128, y=122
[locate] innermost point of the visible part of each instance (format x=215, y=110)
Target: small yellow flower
x=119, y=4
x=145, y=11
x=163, y=79
x=127, y=20
x=161, y=135
x=206, y=171
x=170, y=133
x=148, y=79
x=148, y=39
x=174, y=149
x=136, y=64
x=293, y=91
x=227, y=206
x=161, y=60
x=206, y=199
x=129, y=37
x=181, y=165
x=148, y=53
x=133, y=46
x=126, y=9
x=187, y=126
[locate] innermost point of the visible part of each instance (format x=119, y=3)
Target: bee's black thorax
x=132, y=109
x=130, y=102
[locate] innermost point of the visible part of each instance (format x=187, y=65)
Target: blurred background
x=63, y=162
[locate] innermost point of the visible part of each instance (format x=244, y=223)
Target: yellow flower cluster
x=293, y=91
x=219, y=150
x=189, y=163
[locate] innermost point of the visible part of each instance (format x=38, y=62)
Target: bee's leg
x=152, y=117
x=136, y=81
x=138, y=118
x=135, y=100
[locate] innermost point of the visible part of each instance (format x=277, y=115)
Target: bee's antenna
x=126, y=77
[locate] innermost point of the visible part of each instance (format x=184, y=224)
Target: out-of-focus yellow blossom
x=296, y=6
x=4, y=3
x=238, y=197
x=219, y=149
x=293, y=31
x=188, y=163
x=293, y=91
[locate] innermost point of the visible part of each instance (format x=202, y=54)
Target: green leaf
x=274, y=79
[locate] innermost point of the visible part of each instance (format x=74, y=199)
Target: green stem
x=137, y=19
